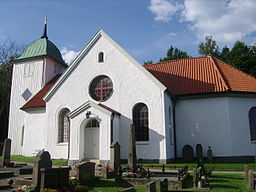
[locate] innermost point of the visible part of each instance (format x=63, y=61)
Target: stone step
x=6, y=174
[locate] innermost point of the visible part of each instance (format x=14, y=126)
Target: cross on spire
x=44, y=35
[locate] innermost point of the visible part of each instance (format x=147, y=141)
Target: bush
x=81, y=188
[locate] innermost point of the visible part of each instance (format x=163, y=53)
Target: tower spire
x=44, y=35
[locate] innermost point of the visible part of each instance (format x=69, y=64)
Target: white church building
x=75, y=112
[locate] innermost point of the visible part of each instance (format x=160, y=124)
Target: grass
x=109, y=185
x=228, y=183
x=20, y=158
x=219, y=182
x=216, y=166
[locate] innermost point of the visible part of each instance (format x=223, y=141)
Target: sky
x=144, y=28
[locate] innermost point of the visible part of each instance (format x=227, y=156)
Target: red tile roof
x=201, y=75
x=37, y=100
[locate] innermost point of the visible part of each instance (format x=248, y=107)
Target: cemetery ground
x=219, y=181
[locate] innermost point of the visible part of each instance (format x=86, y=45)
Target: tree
x=148, y=62
x=242, y=57
x=209, y=48
x=174, y=53
x=9, y=50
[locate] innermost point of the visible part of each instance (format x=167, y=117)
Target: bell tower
x=39, y=63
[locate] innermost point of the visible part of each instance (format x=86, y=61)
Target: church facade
x=75, y=112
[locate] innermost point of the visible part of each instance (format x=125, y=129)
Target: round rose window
x=101, y=88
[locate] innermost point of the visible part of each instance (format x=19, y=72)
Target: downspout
x=111, y=128
x=69, y=138
x=175, y=99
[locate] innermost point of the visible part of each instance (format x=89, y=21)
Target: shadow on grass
x=225, y=177
x=223, y=186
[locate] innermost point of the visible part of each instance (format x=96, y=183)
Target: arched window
x=140, y=122
x=252, y=122
x=101, y=57
x=64, y=126
x=92, y=123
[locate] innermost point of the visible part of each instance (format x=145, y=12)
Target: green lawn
x=219, y=183
x=20, y=158
x=216, y=166
x=228, y=183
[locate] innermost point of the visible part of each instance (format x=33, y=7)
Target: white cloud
x=163, y=9
x=68, y=55
x=226, y=20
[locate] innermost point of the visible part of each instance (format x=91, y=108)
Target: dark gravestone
x=54, y=177
x=85, y=172
x=188, y=153
x=164, y=185
x=132, y=149
x=151, y=187
x=199, y=151
x=209, y=154
x=6, y=152
x=115, y=156
x=43, y=160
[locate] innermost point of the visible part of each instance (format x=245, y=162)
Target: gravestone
x=164, y=185
x=188, y=153
x=250, y=184
x=199, y=151
x=195, y=178
x=6, y=154
x=151, y=187
x=106, y=173
x=209, y=154
x=115, y=156
x=43, y=160
x=85, y=172
x=246, y=169
x=132, y=149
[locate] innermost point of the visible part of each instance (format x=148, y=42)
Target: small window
x=252, y=122
x=26, y=94
x=101, y=57
x=64, y=126
x=140, y=122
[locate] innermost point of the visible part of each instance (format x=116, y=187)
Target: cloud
x=226, y=20
x=163, y=9
x=68, y=55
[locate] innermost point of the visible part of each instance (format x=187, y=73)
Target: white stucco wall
x=52, y=68
x=131, y=86
x=220, y=122
x=239, y=123
x=34, y=132
x=26, y=75
x=203, y=121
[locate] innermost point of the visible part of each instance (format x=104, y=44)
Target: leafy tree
x=209, y=48
x=242, y=57
x=148, y=62
x=9, y=50
x=174, y=53
x=225, y=54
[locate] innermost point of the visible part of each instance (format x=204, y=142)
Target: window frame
x=101, y=88
x=101, y=57
x=140, y=114
x=252, y=124
x=63, y=126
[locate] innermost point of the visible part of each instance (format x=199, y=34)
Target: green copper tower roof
x=42, y=47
